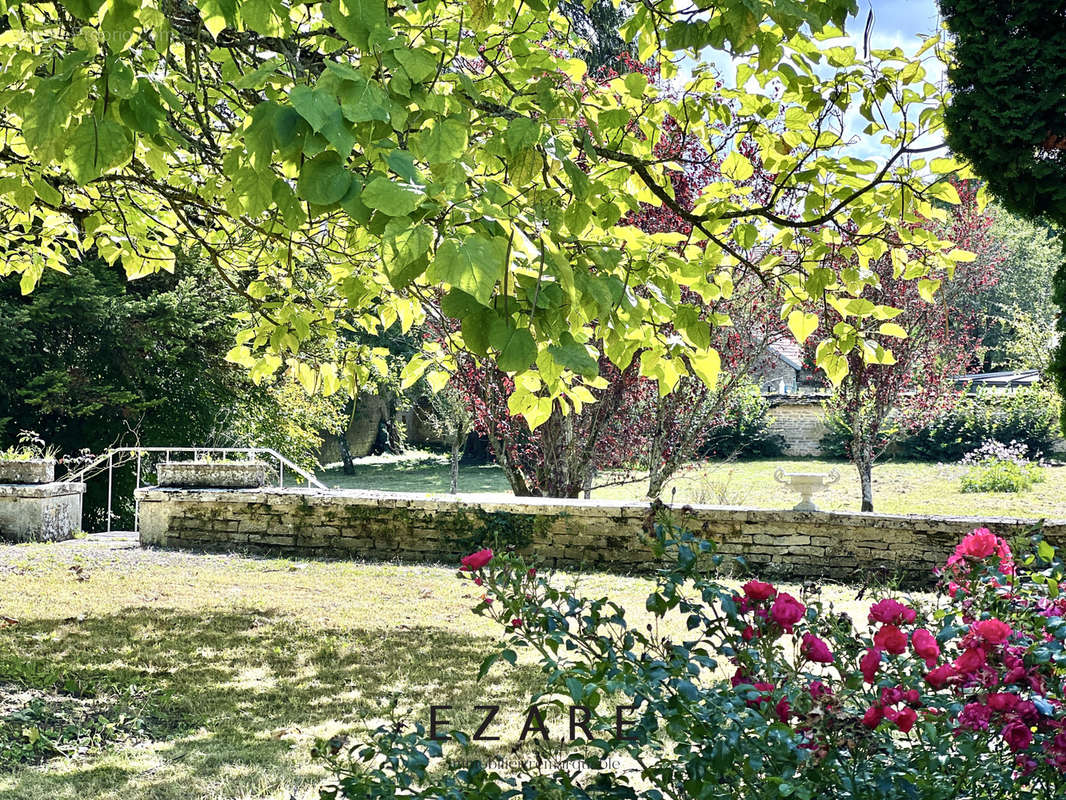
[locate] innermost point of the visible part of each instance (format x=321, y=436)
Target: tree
x=90, y=360
x=1007, y=114
x=450, y=417
x=347, y=160
x=882, y=394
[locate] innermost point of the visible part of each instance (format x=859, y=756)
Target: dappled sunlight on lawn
x=899, y=488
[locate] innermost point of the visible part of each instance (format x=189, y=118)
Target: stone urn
x=806, y=484
x=32, y=470
x=212, y=474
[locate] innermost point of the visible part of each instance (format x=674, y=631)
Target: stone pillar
x=40, y=512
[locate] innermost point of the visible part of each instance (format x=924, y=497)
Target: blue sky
x=900, y=20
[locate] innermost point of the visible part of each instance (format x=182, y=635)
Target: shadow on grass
x=247, y=693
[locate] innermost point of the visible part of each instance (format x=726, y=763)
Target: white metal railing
x=127, y=454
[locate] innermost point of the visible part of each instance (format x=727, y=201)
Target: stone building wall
x=604, y=535
x=799, y=420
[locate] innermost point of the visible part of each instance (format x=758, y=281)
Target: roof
x=788, y=351
x=1023, y=377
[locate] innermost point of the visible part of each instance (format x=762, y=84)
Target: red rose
x=992, y=630
x=1017, y=735
x=815, y=649
x=891, y=639
x=892, y=612
x=970, y=661
x=1003, y=702
x=757, y=590
x=869, y=663
x=476, y=560
x=516, y=622
x=873, y=716
x=939, y=677
x=787, y=611
x=925, y=646
x=905, y=719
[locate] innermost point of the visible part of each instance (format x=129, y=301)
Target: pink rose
x=992, y=630
x=939, y=677
x=979, y=544
x=891, y=639
x=787, y=611
x=925, y=646
x=815, y=649
x=476, y=560
x=1017, y=735
x=757, y=590
x=970, y=661
x=869, y=663
x=892, y=612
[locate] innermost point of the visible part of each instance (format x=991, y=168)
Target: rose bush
x=769, y=697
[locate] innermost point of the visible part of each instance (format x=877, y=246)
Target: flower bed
x=960, y=699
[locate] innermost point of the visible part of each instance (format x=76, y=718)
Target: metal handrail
x=109, y=456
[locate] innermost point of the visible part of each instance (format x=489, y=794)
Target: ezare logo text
x=579, y=719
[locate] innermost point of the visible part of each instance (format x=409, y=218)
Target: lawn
x=899, y=488
x=233, y=665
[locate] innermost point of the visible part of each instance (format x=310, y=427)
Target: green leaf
x=473, y=265
x=406, y=248
x=357, y=20
x=443, y=143
x=892, y=329
x=361, y=100
x=417, y=63
x=517, y=350
x=95, y=146
x=389, y=197
x=574, y=356
x=324, y=179
x=802, y=324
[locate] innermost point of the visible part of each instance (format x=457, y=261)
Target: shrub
x=1029, y=416
x=962, y=700
x=996, y=467
x=742, y=430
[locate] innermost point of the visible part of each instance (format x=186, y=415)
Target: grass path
x=899, y=488
x=245, y=661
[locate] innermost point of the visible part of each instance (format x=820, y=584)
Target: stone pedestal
x=40, y=512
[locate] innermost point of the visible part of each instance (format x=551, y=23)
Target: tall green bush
x=1028, y=416
x=743, y=429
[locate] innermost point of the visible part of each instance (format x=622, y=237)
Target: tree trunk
x=866, y=481
x=456, y=453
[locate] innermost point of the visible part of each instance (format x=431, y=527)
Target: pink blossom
x=892, y=612
x=992, y=630
x=869, y=663
x=757, y=590
x=815, y=649
x=970, y=661
x=476, y=560
x=1003, y=702
x=787, y=611
x=925, y=646
x=891, y=639
x=939, y=677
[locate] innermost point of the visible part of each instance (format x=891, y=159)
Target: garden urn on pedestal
x=806, y=484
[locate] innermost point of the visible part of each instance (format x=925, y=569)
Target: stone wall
x=605, y=535
x=40, y=512
x=800, y=421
